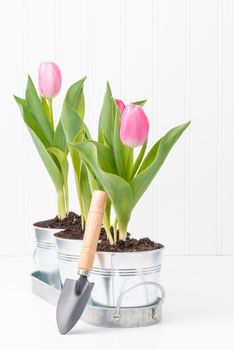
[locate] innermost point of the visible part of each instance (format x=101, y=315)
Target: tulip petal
x=134, y=126
x=120, y=105
x=49, y=79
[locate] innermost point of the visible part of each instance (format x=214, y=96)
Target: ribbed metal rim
x=117, y=253
x=113, y=272
x=45, y=245
x=126, y=272
x=48, y=229
x=67, y=257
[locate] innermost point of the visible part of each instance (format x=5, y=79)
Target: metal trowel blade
x=72, y=302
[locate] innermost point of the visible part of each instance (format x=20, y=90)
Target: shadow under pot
x=130, y=278
x=45, y=257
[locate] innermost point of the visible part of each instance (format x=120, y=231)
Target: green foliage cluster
x=105, y=164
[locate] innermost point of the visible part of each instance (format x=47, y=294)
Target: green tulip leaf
x=138, y=161
x=80, y=106
x=94, y=185
x=75, y=97
x=73, y=112
x=139, y=103
x=105, y=157
x=63, y=163
x=86, y=192
x=35, y=106
x=106, y=119
x=45, y=107
x=71, y=122
x=75, y=130
x=30, y=120
x=93, y=182
x=62, y=159
x=121, y=152
x=48, y=161
x=154, y=160
x=118, y=189
x=59, y=139
x=76, y=160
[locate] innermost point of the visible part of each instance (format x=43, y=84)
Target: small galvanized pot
x=115, y=273
x=45, y=257
x=68, y=253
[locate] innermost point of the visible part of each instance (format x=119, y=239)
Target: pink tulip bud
x=50, y=79
x=134, y=126
x=121, y=105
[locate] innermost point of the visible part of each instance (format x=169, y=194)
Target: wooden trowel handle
x=92, y=230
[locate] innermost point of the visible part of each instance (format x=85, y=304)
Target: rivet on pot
x=155, y=313
x=116, y=317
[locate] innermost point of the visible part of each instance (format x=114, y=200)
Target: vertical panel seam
x=187, y=237
x=55, y=28
x=56, y=36
x=24, y=182
x=219, y=121
x=122, y=49
x=90, y=52
x=155, y=105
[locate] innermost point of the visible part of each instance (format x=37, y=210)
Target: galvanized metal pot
x=68, y=253
x=115, y=273
x=45, y=257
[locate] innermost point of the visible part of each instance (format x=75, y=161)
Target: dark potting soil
x=70, y=234
x=130, y=245
x=77, y=234
x=71, y=222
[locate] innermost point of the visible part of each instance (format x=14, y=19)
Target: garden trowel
x=75, y=293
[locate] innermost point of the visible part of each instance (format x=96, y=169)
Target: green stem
x=50, y=115
x=66, y=198
x=66, y=195
x=106, y=225
x=61, y=206
x=123, y=231
x=138, y=161
x=122, y=235
x=129, y=163
x=82, y=222
x=115, y=230
x=80, y=202
x=109, y=235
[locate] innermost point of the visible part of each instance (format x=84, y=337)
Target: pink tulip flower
x=121, y=105
x=134, y=126
x=50, y=79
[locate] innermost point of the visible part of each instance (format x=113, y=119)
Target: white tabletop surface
x=198, y=312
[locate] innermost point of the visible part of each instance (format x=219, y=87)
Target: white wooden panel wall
x=171, y=111
x=12, y=150
x=226, y=146
x=137, y=61
x=177, y=53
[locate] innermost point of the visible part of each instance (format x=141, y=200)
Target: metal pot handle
x=156, y=306
x=34, y=258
